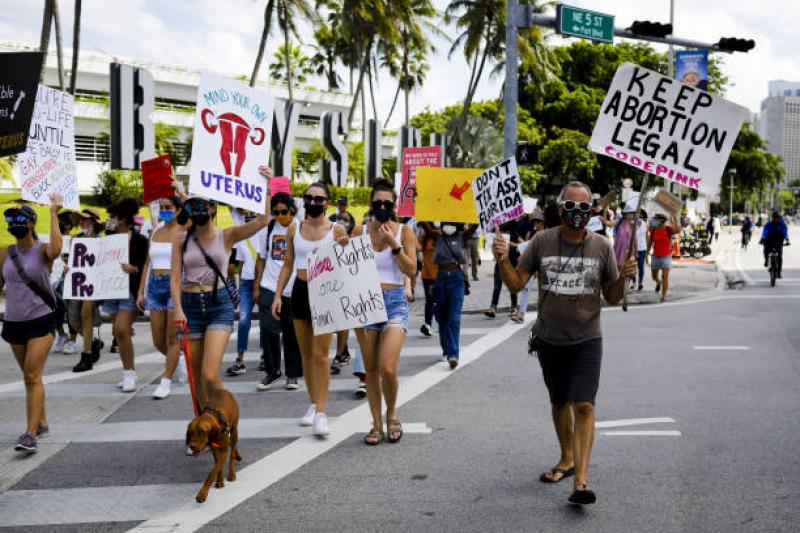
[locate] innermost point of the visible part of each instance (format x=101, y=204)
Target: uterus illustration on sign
x=235, y=132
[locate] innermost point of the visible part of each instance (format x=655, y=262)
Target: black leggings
x=498, y=286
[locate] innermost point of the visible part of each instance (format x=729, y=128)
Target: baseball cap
x=24, y=210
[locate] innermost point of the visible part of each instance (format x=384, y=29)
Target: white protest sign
x=498, y=195
x=232, y=128
x=95, y=269
x=47, y=166
x=344, y=291
x=666, y=128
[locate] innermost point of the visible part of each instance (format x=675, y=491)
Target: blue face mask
x=167, y=215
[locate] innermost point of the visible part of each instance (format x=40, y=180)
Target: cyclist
x=773, y=236
x=747, y=231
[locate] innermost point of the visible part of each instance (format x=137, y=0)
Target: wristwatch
x=396, y=251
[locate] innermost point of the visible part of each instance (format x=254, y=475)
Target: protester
x=312, y=233
x=158, y=300
x=427, y=243
x=660, y=248
x=473, y=256
x=623, y=232
x=29, y=324
x=348, y=221
x=124, y=311
x=396, y=258
x=641, y=249
x=245, y=257
x=202, y=298
x=747, y=231
x=717, y=228
x=537, y=218
x=599, y=221
x=567, y=331
x=450, y=283
x=271, y=257
x=65, y=340
x=498, y=281
x=84, y=315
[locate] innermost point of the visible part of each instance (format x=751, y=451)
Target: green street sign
x=583, y=23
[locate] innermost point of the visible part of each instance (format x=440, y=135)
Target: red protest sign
x=157, y=178
x=426, y=156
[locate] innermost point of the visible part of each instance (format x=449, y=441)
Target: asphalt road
x=698, y=430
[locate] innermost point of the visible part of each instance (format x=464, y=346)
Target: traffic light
x=650, y=29
x=732, y=44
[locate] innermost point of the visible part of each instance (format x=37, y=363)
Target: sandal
x=374, y=437
x=393, y=427
x=555, y=470
x=584, y=496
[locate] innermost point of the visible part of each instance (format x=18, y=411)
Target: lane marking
x=738, y=258
x=633, y=422
x=721, y=348
x=271, y=469
x=667, y=433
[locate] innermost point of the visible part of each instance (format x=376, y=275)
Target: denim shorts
x=158, y=296
x=202, y=313
x=660, y=262
x=112, y=307
x=396, y=310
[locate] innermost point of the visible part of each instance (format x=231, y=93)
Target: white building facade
x=779, y=124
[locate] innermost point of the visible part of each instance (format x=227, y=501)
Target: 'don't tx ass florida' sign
x=232, y=129
x=672, y=130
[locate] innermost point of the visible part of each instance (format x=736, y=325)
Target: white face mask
x=448, y=229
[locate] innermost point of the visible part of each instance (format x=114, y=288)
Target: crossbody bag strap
x=210, y=262
x=544, y=297
x=32, y=285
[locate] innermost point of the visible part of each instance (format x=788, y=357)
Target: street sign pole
x=511, y=88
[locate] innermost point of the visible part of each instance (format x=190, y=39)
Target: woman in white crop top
x=315, y=231
x=157, y=300
x=395, y=249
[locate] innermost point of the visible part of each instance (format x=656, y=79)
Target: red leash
x=185, y=346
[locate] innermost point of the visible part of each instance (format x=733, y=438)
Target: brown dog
x=216, y=427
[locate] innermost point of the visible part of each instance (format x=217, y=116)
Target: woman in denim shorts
x=157, y=299
x=396, y=256
x=201, y=299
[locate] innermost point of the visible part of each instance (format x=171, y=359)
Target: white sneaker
x=308, y=418
x=163, y=389
x=321, y=425
x=60, y=342
x=181, y=374
x=69, y=348
x=129, y=381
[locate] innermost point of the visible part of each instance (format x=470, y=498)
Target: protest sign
x=19, y=78
x=47, y=166
x=668, y=201
x=344, y=291
x=498, y=195
x=426, y=156
x=445, y=195
x=667, y=128
x=95, y=269
x=279, y=184
x=231, y=140
x=157, y=178
x=691, y=68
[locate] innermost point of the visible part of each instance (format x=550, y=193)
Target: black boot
x=97, y=346
x=86, y=362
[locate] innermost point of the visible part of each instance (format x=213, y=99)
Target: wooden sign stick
x=637, y=221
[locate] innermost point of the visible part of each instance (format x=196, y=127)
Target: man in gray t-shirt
x=574, y=267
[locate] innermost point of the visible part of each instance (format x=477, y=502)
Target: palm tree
x=268, y=10
x=76, y=45
x=44, y=42
x=299, y=65
x=288, y=12
x=480, y=144
x=59, y=48
x=327, y=52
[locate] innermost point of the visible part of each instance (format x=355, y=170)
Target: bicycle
x=774, y=266
x=745, y=240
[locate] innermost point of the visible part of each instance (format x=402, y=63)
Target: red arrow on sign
x=457, y=192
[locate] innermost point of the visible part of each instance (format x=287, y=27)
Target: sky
x=222, y=36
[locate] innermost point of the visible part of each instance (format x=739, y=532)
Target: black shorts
x=301, y=310
x=571, y=373
x=25, y=330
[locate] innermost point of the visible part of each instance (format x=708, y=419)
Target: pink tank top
x=195, y=269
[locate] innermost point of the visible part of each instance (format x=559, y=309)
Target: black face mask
x=314, y=210
x=19, y=232
x=382, y=214
x=200, y=219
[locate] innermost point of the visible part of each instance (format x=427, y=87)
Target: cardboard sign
x=232, y=128
x=344, y=291
x=667, y=128
x=95, y=269
x=427, y=156
x=669, y=202
x=445, y=195
x=47, y=166
x=279, y=184
x=157, y=178
x=19, y=78
x=498, y=195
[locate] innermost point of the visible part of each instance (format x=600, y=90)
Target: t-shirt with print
x=247, y=253
x=274, y=254
x=571, y=312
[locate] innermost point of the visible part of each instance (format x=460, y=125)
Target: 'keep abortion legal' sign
x=95, y=269
x=232, y=129
x=344, y=290
x=667, y=128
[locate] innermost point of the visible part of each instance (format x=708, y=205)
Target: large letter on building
x=372, y=150
x=133, y=136
x=284, y=128
x=334, y=168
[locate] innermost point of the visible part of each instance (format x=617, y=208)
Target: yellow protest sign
x=445, y=194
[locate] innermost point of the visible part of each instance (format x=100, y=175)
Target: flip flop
x=583, y=496
x=553, y=471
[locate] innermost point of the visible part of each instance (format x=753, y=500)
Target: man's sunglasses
x=569, y=205
x=19, y=219
x=307, y=198
x=386, y=204
x=280, y=212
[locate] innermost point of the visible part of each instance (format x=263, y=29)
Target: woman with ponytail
x=158, y=300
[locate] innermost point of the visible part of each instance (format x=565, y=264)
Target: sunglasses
x=569, y=205
x=19, y=219
x=196, y=207
x=280, y=212
x=307, y=198
x=386, y=204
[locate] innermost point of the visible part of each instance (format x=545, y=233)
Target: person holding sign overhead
x=29, y=324
x=203, y=300
x=312, y=233
x=396, y=257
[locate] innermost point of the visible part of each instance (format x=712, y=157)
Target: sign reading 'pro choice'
x=664, y=127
